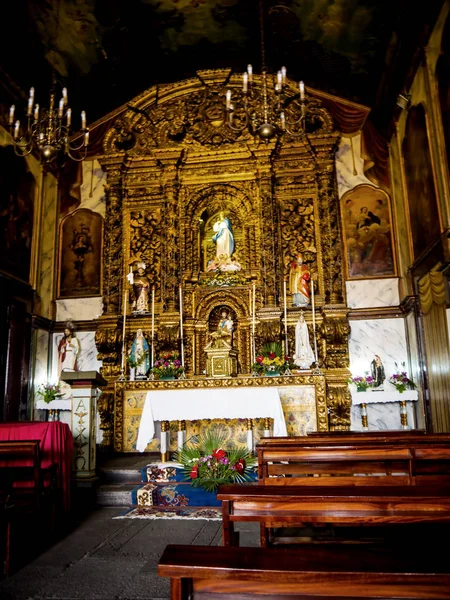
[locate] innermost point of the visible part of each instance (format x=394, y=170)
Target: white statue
x=304, y=355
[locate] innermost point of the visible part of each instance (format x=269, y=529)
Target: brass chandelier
x=48, y=130
x=272, y=109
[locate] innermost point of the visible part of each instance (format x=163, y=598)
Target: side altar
x=236, y=402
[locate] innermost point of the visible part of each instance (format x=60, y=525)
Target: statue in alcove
x=225, y=260
x=221, y=356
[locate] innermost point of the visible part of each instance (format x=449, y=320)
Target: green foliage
x=207, y=461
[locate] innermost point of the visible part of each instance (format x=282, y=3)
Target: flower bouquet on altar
x=362, y=383
x=401, y=381
x=208, y=463
x=168, y=365
x=50, y=391
x=271, y=361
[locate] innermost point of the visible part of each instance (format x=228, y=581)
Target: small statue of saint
x=299, y=277
x=140, y=286
x=223, y=237
x=304, y=355
x=377, y=372
x=68, y=350
x=139, y=354
x=224, y=329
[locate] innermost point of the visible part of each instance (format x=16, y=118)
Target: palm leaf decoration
x=208, y=461
x=272, y=348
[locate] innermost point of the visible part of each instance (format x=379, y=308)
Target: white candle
x=228, y=99
x=253, y=320
x=86, y=137
x=285, y=317
x=283, y=73
x=11, y=114
x=181, y=326
x=36, y=112
x=69, y=116
x=61, y=108
x=301, y=86
x=314, y=322
x=83, y=119
x=16, y=129
x=153, y=323
x=245, y=83
x=250, y=73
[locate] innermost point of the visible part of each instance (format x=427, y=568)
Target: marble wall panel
x=79, y=309
x=92, y=189
x=349, y=165
x=87, y=359
x=372, y=293
x=385, y=337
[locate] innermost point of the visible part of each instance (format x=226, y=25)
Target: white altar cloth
x=217, y=403
x=58, y=404
x=382, y=397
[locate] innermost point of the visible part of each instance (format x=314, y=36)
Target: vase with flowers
x=208, y=461
x=168, y=366
x=400, y=379
x=363, y=383
x=50, y=391
x=271, y=360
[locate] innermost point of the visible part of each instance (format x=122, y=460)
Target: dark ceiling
x=108, y=51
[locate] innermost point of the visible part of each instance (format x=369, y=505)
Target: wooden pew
x=355, y=460
x=27, y=484
x=294, y=506
x=212, y=572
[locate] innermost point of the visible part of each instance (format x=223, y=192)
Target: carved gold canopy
x=174, y=169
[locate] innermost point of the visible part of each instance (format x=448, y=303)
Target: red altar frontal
x=148, y=412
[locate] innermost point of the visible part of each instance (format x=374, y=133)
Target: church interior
x=228, y=212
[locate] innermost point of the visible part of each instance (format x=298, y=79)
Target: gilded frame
x=367, y=231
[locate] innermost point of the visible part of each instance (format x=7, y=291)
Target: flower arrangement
x=401, y=381
x=49, y=391
x=168, y=364
x=207, y=463
x=271, y=359
x=363, y=383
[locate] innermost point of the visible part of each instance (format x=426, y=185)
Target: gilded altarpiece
x=175, y=171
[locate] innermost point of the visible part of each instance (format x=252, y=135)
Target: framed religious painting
x=80, y=254
x=367, y=232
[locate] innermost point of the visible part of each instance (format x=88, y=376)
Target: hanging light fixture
x=270, y=109
x=48, y=130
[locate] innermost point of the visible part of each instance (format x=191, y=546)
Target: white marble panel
x=92, y=189
x=348, y=163
x=382, y=416
x=385, y=337
x=79, y=309
x=47, y=249
x=414, y=366
x=372, y=293
x=87, y=359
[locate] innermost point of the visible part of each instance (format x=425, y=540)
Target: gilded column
x=170, y=260
x=268, y=220
x=112, y=273
x=330, y=235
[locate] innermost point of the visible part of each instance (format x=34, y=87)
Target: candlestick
x=153, y=325
x=314, y=321
x=181, y=326
x=285, y=319
x=253, y=320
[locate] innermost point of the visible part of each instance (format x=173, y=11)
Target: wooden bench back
x=20, y=469
x=376, y=460
x=310, y=572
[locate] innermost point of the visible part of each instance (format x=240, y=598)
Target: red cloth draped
x=56, y=447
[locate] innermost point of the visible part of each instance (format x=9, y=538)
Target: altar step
x=118, y=477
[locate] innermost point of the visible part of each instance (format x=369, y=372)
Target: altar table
x=217, y=403
x=364, y=399
x=56, y=447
